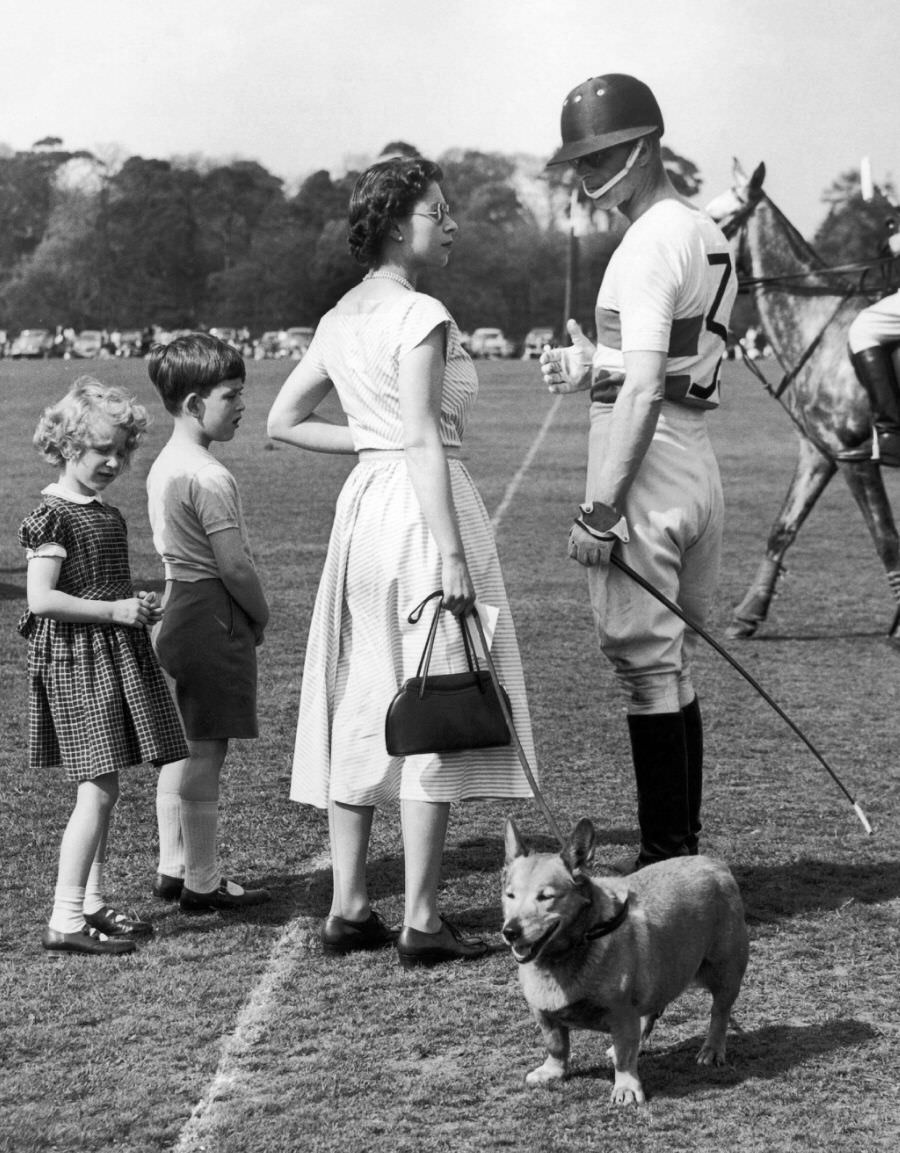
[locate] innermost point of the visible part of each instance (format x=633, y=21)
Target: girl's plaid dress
x=97, y=698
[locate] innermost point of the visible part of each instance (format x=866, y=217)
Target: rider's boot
x=875, y=371
x=693, y=734
x=659, y=752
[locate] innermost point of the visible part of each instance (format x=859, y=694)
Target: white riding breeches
x=877, y=324
x=675, y=516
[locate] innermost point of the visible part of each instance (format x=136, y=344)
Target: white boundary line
x=257, y=1010
x=525, y=465
x=252, y=1020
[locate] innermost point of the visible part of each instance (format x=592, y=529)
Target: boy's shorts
x=206, y=644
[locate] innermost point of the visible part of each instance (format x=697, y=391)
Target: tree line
x=185, y=243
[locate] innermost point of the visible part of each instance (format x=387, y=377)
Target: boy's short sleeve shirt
x=191, y=495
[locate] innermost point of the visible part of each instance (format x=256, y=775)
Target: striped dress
x=382, y=561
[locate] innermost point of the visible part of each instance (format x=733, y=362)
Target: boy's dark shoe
x=222, y=899
x=167, y=888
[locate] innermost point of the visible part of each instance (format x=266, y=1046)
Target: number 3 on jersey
x=723, y=260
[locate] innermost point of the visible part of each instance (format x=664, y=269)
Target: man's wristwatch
x=602, y=521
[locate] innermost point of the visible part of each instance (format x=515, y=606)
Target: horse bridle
x=735, y=224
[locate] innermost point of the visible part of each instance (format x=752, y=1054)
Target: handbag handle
x=425, y=660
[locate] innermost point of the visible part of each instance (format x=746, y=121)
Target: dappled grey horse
x=805, y=310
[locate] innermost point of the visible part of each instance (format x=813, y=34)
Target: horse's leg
x=813, y=472
x=866, y=483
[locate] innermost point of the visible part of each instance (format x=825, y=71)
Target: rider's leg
x=876, y=374
x=872, y=336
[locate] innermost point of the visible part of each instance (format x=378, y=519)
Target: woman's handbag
x=443, y=712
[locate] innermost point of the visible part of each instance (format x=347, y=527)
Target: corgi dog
x=609, y=954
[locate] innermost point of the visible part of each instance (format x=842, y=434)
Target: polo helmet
x=603, y=112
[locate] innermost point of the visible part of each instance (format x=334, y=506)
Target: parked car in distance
x=228, y=335
x=87, y=343
x=267, y=347
x=535, y=340
x=131, y=343
x=298, y=340
x=32, y=342
x=490, y=342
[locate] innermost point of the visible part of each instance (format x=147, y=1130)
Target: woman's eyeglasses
x=437, y=212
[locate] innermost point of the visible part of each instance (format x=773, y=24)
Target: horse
x=805, y=310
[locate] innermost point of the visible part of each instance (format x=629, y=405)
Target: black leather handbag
x=438, y=713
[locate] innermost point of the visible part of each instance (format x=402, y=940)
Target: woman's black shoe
x=342, y=936
x=447, y=944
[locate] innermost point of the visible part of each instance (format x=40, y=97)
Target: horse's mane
x=799, y=247
x=795, y=249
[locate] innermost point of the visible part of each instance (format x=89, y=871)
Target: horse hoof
x=740, y=630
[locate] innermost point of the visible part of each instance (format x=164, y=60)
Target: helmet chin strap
x=620, y=175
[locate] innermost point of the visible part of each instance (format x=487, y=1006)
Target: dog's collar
x=607, y=927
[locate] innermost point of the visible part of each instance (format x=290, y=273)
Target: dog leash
x=507, y=716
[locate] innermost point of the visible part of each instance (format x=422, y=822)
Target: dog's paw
x=711, y=1055
x=627, y=1092
x=545, y=1074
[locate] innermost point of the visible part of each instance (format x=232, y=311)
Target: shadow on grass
x=308, y=894
x=761, y=1054
x=776, y=892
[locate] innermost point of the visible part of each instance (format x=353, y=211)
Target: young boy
x=215, y=612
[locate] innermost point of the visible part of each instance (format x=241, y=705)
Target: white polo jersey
x=669, y=287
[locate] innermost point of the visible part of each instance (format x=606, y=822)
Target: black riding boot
x=876, y=374
x=659, y=752
x=693, y=734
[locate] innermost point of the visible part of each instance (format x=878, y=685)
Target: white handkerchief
x=488, y=615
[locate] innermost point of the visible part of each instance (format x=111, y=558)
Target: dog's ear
x=578, y=854
x=515, y=846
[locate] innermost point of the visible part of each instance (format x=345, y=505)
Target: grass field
x=239, y=1036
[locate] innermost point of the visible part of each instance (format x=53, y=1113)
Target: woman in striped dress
x=408, y=520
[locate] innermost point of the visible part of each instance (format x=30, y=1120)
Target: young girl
x=97, y=699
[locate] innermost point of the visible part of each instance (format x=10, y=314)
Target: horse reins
x=737, y=222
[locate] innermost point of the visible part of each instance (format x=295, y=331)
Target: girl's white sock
x=68, y=909
x=93, y=892
x=199, y=824
x=171, y=843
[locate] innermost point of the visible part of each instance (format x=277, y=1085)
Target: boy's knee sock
x=68, y=909
x=171, y=842
x=199, y=823
x=93, y=892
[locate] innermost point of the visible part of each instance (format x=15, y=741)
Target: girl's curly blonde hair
x=68, y=427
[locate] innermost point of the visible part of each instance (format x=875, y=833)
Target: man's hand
x=594, y=533
x=568, y=369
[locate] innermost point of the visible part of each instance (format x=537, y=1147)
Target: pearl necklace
x=385, y=275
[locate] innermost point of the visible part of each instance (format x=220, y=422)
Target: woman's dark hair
x=385, y=192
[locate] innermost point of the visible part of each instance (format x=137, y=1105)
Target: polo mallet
x=626, y=568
